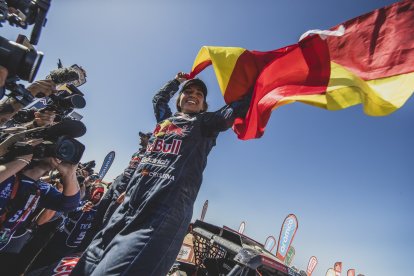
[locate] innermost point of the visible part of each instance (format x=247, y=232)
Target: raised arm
x=223, y=119
x=68, y=199
x=160, y=101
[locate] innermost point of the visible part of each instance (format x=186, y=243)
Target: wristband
x=23, y=160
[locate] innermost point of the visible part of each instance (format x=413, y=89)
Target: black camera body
x=58, y=142
x=24, y=13
x=20, y=58
x=61, y=103
x=65, y=148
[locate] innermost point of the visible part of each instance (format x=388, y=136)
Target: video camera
x=62, y=103
x=59, y=142
x=20, y=58
x=23, y=13
x=88, y=166
x=65, y=148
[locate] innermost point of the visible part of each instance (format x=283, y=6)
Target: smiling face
x=192, y=100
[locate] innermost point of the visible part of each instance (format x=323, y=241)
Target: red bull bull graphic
x=287, y=233
x=313, y=262
x=168, y=128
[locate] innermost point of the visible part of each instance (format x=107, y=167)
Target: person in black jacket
x=145, y=234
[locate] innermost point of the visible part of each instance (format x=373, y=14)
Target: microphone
x=63, y=75
x=71, y=128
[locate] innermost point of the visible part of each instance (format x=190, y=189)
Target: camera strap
x=27, y=210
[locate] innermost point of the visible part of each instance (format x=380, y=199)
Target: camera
x=65, y=148
x=62, y=104
x=59, y=142
x=88, y=166
x=20, y=58
x=22, y=13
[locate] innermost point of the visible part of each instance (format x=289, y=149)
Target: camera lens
x=19, y=59
x=66, y=150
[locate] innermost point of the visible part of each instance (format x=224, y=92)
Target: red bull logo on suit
x=168, y=128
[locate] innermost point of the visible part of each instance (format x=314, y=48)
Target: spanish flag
x=367, y=60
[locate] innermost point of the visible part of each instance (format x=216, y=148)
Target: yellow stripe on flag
x=223, y=60
x=379, y=97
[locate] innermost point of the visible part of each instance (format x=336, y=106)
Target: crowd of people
x=51, y=208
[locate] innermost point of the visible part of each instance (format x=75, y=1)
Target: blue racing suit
x=108, y=203
x=67, y=237
x=145, y=234
x=30, y=195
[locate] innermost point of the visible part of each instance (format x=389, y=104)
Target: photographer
x=71, y=232
x=9, y=106
x=23, y=192
x=19, y=162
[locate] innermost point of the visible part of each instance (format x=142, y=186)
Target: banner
x=338, y=268
x=241, y=227
x=270, y=243
x=290, y=255
x=287, y=233
x=313, y=261
x=109, y=158
x=204, y=211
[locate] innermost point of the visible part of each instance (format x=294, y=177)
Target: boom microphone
x=63, y=75
x=71, y=128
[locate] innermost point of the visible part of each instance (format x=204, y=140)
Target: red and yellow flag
x=371, y=64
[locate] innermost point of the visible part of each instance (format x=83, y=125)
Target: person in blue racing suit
x=71, y=231
x=145, y=234
x=22, y=193
x=115, y=194
x=116, y=191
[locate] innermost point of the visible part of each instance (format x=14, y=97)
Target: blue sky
x=346, y=176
